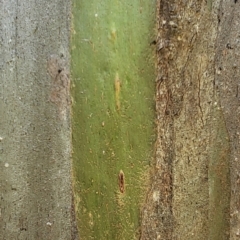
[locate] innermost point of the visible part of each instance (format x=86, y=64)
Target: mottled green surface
x=113, y=113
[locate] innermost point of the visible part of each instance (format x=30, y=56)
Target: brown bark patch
x=121, y=181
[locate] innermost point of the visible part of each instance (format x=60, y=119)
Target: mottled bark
x=193, y=191
x=190, y=192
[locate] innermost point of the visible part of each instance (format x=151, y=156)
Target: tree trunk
x=113, y=114
x=192, y=162
x=35, y=146
x=196, y=171
x=132, y=179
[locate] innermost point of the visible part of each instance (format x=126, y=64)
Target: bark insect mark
x=117, y=85
x=228, y=46
x=121, y=181
x=154, y=42
x=168, y=97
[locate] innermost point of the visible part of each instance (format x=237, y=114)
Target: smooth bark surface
x=113, y=80
x=35, y=147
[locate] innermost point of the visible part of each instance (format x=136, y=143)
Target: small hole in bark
x=167, y=112
x=235, y=1
x=228, y=46
x=59, y=70
x=154, y=42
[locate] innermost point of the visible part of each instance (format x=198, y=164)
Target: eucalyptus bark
x=227, y=86
x=181, y=182
x=194, y=194
x=113, y=80
x=35, y=146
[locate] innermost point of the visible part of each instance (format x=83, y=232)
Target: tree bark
x=196, y=172
x=227, y=85
x=113, y=78
x=35, y=145
x=129, y=182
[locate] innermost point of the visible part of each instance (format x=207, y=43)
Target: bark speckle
x=60, y=85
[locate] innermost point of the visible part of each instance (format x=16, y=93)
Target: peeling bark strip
x=158, y=210
x=178, y=199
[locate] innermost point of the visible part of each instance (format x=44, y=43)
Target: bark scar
x=121, y=181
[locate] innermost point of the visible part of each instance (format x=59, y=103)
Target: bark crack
x=199, y=93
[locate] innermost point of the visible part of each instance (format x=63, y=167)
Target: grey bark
x=227, y=86
x=35, y=143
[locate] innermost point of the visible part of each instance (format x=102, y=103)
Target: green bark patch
x=113, y=113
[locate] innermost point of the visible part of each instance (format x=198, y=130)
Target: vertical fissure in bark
x=157, y=215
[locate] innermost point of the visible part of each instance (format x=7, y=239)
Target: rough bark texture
x=227, y=87
x=189, y=197
x=35, y=179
